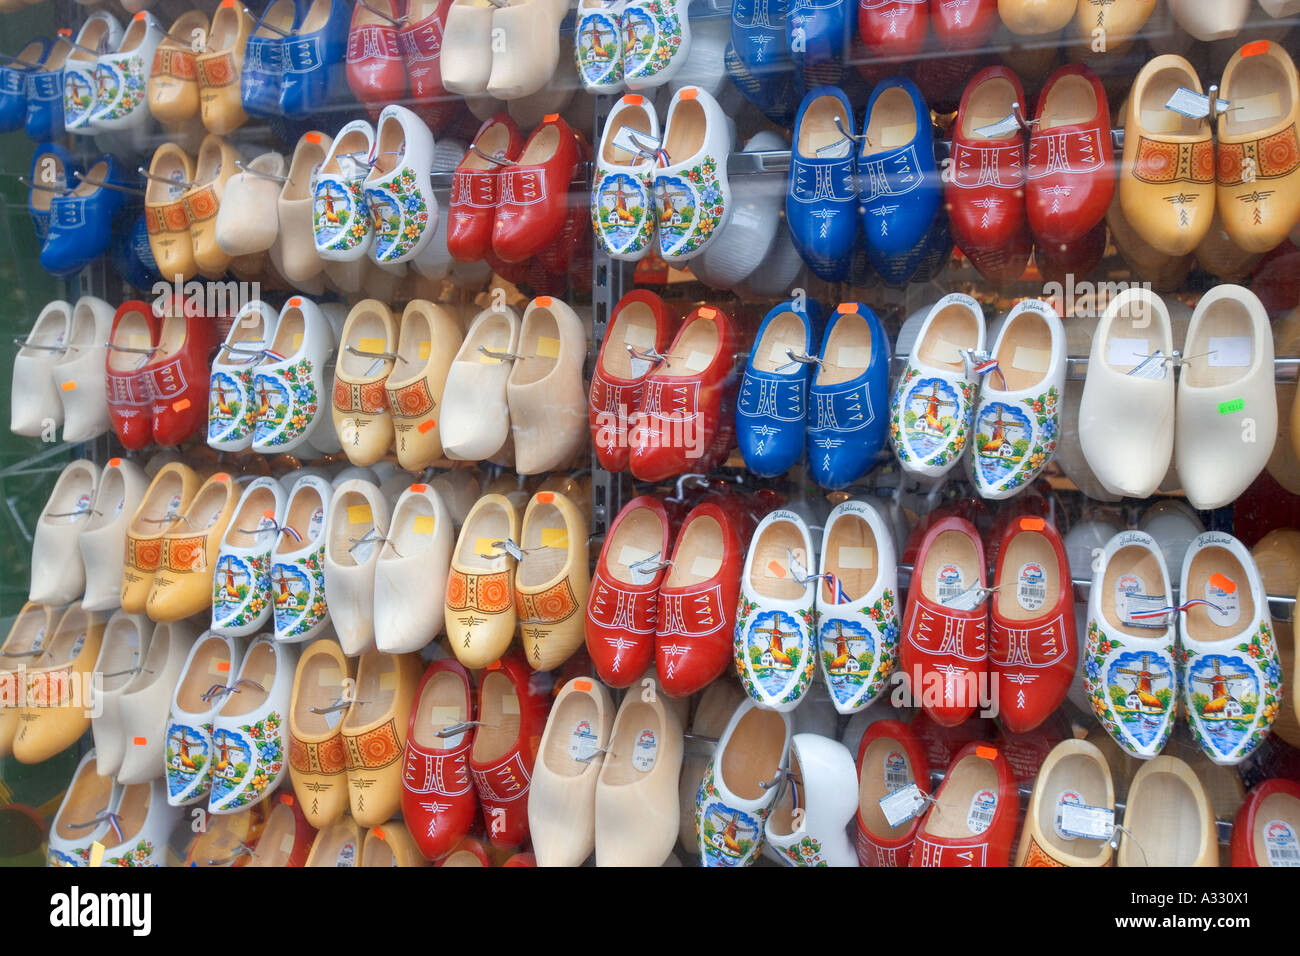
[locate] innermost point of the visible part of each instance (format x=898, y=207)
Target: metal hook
x=188, y=42
x=490, y=158
x=500, y=356
x=853, y=137
x=239, y=163
x=455, y=729
x=234, y=688
x=335, y=707
x=647, y=354
x=391, y=356
x=242, y=850
x=129, y=190
x=60, y=190
x=129, y=670
x=1018, y=113
x=270, y=26
x=164, y=179
x=85, y=49
x=22, y=343
x=213, y=692
x=1113, y=842
x=592, y=756
x=782, y=772
x=127, y=348
x=73, y=514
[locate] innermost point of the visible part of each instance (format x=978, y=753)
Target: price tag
x=634, y=141
x=1003, y=127
x=1194, y=105
x=902, y=805
x=1231, y=351
x=1090, y=823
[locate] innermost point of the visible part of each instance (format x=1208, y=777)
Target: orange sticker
x=705, y=312
x=114, y=462
x=847, y=307
x=1255, y=49
x=689, y=93
x=378, y=832
x=286, y=799
x=1032, y=524
x=1226, y=585
x=65, y=33
x=988, y=753
x=426, y=426
x=180, y=404
x=774, y=568
x=268, y=513
x=545, y=497
x=494, y=666
x=419, y=489
x=295, y=302
x=69, y=386
x=582, y=685
x=312, y=137
x=550, y=117
x=140, y=741
x=140, y=15
x=221, y=476
x=223, y=666
x=634, y=99
x=543, y=300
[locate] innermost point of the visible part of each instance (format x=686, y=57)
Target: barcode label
x=897, y=774
x=1075, y=820
x=948, y=583
x=982, y=808
x=1281, y=843
x=901, y=805
x=1031, y=586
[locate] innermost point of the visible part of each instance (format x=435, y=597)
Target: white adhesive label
x=582, y=741
x=852, y=356
x=1031, y=586
x=857, y=559
x=698, y=361
x=1031, y=360
x=778, y=354
x=836, y=150
x=639, y=336
x=1230, y=352
x=639, y=366
x=317, y=522
x=645, y=750
x=982, y=808
x=510, y=705
x=948, y=583
x=897, y=773
x=1281, y=844
x=1066, y=798
x=1228, y=605
x=704, y=567
x=1124, y=353
x=1252, y=109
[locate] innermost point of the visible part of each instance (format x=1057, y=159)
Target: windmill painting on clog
x=598, y=46
x=249, y=735
x=857, y=606
x=934, y=402
x=692, y=192
x=1128, y=658
x=232, y=412
x=1231, y=676
x=623, y=211
x=187, y=739
x=776, y=619
x=656, y=39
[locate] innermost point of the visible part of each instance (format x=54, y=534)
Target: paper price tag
x=642, y=565
x=1135, y=603
x=902, y=805
x=548, y=347
x=634, y=141
x=857, y=559
x=425, y=348
x=96, y=854
x=1153, y=368
x=836, y=150
x=359, y=514
x=967, y=600
x=510, y=705
x=1003, y=127
x=698, y=361
x=706, y=567
x=1090, y=823
x=1194, y=105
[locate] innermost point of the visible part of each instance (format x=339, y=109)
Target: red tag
x=114, y=462
x=988, y=753
x=582, y=685
x=1255, y=49
x=774, y=568
x=378, y=832
x=419, y=489
x=494, y=666
x=543, y=300
x=65, y=33
x=550, y=117
x=295, y=302
x=180, y=404
x=545, y=497
x=634, y=99
x=848, y=307
x=312, y=137
x=140, y=15
x=1224, y=584
x=223, y=666
x=268, y=513
x=140, y=741
x=221, y=476
x=426, y=426
x=1032, y=524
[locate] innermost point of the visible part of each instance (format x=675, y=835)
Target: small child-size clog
x=211, y=666
x=249, y=733
x=298, y=602
x=241, y=586
x=410, y=572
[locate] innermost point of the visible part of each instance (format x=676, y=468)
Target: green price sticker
x=1236, y=405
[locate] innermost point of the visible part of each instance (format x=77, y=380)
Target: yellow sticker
x=548, y=348
x=484, y=359
x=371, y=345
x=425, y=347
x=297, y=341
x=359, y=514
x=96, y=854
x=424, y=524
x=555, y=538
x=487, y=546
x=388, y=680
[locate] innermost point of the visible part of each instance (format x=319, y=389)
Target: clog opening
x=88, y=796
x=633, y=326
x=951, y=562
x=1136, y=566
x=351, y=522
x=970, y=778
x=210, y=665
x=989, y=103
x=370, y=330
x=132, y=811
x=412, y=531
x=1163, y=819
x=686, y=129
x=792, y=798
x=132, y=330
x=1274, y=807
x=1159, y=86
x=698, y=555
x=318, y=685
x=488, y=524
x=636, y=119
x=770, y=573
x=1029, y=550
x=546, y=545
x=1070, y=101
x=377, y=676
x=848, y=350
x=576, y=719
x=753, y=754
x=1080, y=779
x=694, y=349
x=851, y=555
x=818, y=136
x=1025, y=351
x=71, y=499
x=784, y=334
x=1262, y=91
x=886, y=767
x=892, y=124
x=634, y=745
x=444, y=702
x=539, y=347
x=120, y=654
x=638, y=536
x=499, y=719
x=1206, y=580
x=276, y=844
x=168, y=170
x=253, y=687
x=1226, y=318
x=307, y=156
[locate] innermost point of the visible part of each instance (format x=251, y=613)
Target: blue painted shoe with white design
x=241, y=587
x=753, y=749
x=1231, y=674
x=846, y=415
x=934, y=402
x=821, y=204
x=13, y=82
x=757, y=57
x=623, y=212
x=772, y=407
x=1129, y=668
x=1018, y=418
x=776, y=621
x=313, y=58
x=262, y=77
x=202, y=690
x=817, y=31
x=298, y=563
x=250, y=734
x=898, y=180
x=857, y=606
x=53, y=167
x=44, y=91
x=81, y=221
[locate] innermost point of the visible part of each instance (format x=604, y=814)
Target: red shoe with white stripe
x=889, y=758
x=944, y=652
x=1032, y=641
x=623, y=601
x=475, y=188
x=512, y=708
x=979, y=805
x=177, y=376
x=438, y=800
x=985, y=193
x=533, y=196
x=375, y=70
